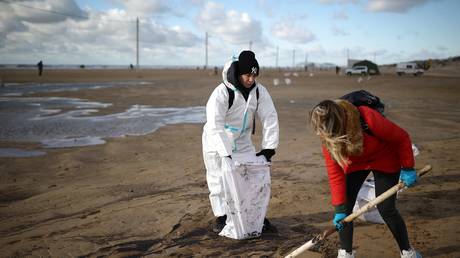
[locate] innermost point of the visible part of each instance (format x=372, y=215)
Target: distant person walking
x=40, y=68
x=337, y=70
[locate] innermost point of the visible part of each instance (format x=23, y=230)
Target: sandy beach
x=146, y=196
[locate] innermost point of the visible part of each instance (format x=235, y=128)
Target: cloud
x=340, y=16
x=442, y=48
x=48, y=11
x=159, y=35
x=415, y=54
x=288, y=31
x=231, y=26
x=424, y=54
x=266, y=7
x=338, y=31
x=363, y=52
x=396, y=6
x=9, y=23
x=142, y=8
x=338, y=1
x=104, y=37
x=16, y=15
x=317, y=51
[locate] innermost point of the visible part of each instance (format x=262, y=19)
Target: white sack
x=247, y=193
x=367, y=193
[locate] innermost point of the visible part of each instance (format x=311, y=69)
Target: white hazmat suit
x=228, y=131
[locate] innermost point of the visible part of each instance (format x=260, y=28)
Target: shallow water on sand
x=68, y=122
x=18, y=153
x=20, y=89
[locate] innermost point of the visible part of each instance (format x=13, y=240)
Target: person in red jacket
x=351, y=153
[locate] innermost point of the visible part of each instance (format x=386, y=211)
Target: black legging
x=387, y=208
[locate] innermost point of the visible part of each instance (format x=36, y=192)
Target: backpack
x=364, y=98
x=231, y=97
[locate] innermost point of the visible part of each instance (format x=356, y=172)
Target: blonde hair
x=337, y=124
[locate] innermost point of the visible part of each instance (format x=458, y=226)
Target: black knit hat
x=247, y=63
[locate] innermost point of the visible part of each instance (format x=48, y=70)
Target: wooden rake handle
x=320, y=237
x=383, y=196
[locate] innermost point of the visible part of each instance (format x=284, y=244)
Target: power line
x=59, y=13
x=44, y=10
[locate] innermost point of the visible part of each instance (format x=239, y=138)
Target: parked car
x=408, y=68
x=359, y=69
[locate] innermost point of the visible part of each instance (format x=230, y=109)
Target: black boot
x=268, y=227
x=219, y=224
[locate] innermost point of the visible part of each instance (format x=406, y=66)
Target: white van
x=408, y=68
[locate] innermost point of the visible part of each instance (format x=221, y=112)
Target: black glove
x=268, y=153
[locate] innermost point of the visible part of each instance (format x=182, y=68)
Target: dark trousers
x=387, y=209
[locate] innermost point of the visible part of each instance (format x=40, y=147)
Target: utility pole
x=277, y=54
x=206, y=61
x=250, y=45
x=306, y=62
x=293, y=58
x=348, y=58
x=137, y=43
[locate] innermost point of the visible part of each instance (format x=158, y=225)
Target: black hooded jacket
x=232, y=77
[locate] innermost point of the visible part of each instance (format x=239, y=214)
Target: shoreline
x=147, y=75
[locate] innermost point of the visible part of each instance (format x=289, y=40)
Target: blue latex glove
x=408, y=177
x=338, y=217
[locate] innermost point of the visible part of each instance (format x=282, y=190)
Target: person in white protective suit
x=230, y=122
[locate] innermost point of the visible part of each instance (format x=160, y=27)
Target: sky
x=173, y=32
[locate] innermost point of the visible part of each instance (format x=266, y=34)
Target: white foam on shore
x=12, y=94
x=72, y=142
x=68, y=122
x=21, y=89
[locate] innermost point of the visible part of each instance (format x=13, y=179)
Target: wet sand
x=147, y=195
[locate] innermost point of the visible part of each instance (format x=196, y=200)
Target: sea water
x=57, y=122
x=20, y=89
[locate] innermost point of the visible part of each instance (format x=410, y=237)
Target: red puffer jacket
x=387, y=148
